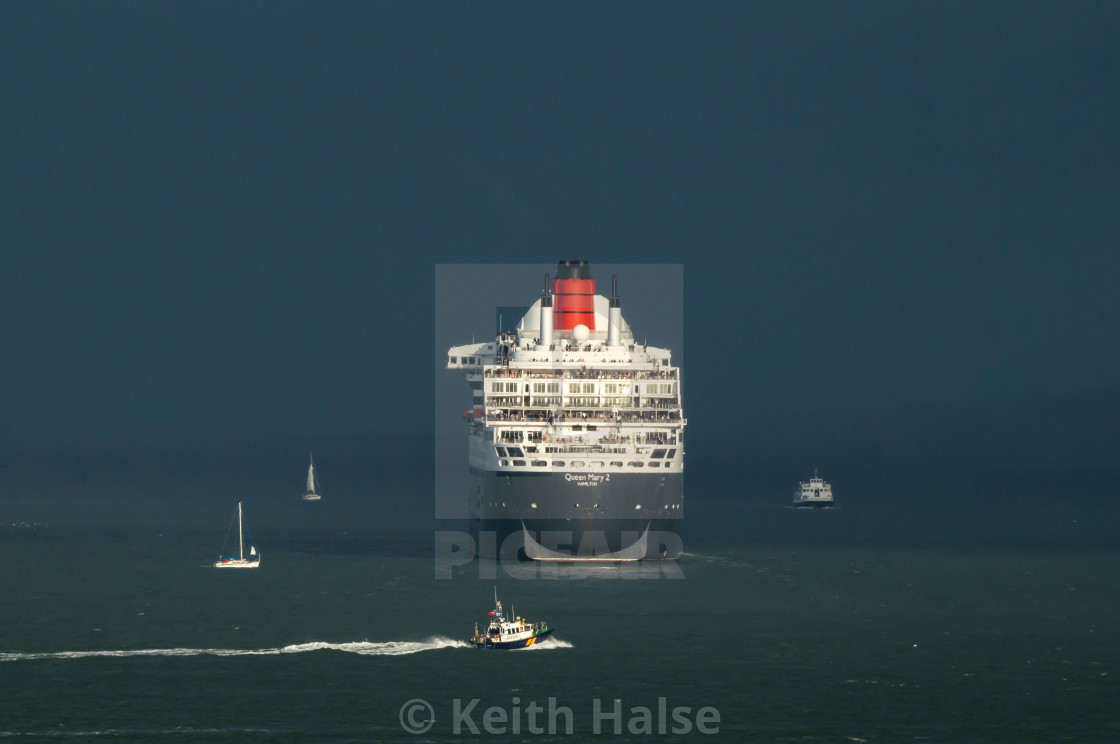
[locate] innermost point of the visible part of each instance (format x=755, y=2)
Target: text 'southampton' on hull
x=576, y=435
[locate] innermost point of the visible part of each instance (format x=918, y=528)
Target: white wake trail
x=365, y=648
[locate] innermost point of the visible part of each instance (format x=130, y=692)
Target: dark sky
x=221, y=222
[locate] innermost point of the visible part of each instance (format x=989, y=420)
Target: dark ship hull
x=568, y=516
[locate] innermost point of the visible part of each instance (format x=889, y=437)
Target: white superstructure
x=574, y=404
x=815, y=492
x=570, y=394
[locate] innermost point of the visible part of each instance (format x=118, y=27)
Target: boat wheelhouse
x=508, y=633
x=813, y=493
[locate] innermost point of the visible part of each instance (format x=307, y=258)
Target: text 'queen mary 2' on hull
x=576, y=435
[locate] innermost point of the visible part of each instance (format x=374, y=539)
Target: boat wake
x=547, y=644
x=701, y=557
x=364, y=648
x=116, y=733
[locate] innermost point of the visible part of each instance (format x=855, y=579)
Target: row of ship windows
x=657, y=454
x=546, y=401
x=583, y=388
x=581, y=463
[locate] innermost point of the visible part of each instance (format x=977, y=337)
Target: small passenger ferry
x=510, y=633
x=815, y=493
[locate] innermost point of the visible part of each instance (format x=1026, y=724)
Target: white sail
x=312, y=491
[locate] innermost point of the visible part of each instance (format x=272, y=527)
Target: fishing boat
x=312, y=492
x=505, y=634
x=239, y=560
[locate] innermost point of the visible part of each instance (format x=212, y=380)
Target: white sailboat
x=239, y=560
x=312, y=492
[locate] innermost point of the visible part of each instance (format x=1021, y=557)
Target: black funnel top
x=573, y=270
x=546, y=295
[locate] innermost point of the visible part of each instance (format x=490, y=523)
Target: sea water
x=799, y=627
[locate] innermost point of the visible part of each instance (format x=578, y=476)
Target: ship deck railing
x=589, y=449
x=648, y=438
x=513, y=402
x=544, y=414
x=652, y=416
x=582, y=374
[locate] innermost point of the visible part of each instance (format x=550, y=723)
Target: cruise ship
x=576, y=433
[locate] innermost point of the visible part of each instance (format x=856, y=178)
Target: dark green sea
x=847, y=626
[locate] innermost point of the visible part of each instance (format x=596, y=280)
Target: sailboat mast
x=240, y=541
